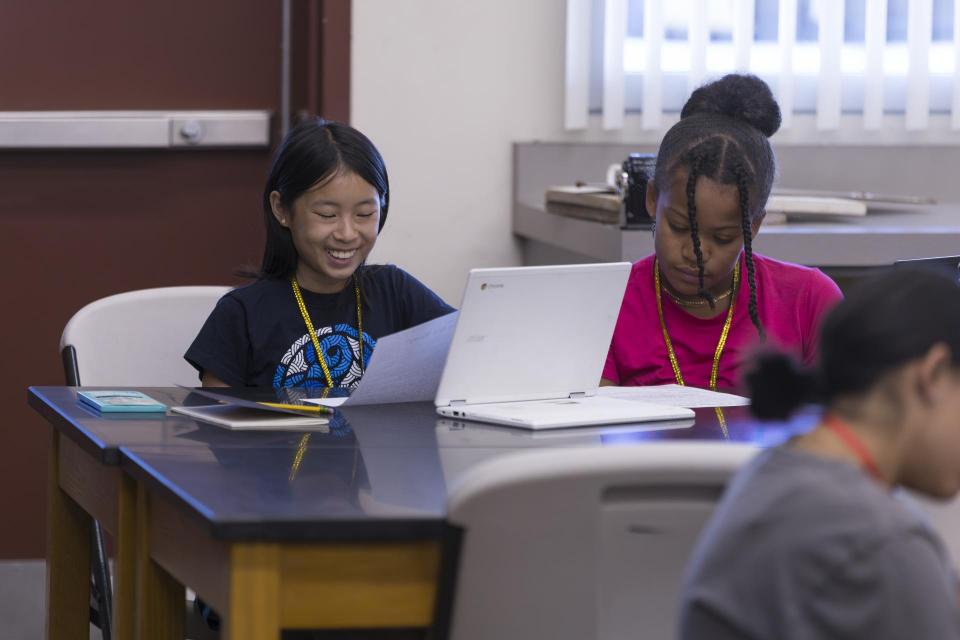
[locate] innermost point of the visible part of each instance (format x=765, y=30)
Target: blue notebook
x=120, y=401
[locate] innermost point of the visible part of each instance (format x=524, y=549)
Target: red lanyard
x=854, y=444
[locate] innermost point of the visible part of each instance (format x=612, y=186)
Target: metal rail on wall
x=133, y=129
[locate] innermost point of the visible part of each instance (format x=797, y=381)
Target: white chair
x=137, y=338
x=582, y=543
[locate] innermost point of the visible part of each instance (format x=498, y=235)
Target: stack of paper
x=599, y=204
x=815, y=206
x=676, y=396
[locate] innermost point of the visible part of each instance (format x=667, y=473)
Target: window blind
x=830, y=58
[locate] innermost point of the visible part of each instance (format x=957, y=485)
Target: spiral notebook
x=241, y=418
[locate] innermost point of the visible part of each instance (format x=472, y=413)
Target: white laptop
x=529, y=348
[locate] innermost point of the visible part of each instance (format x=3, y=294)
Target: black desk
x=85, y=480
x=281, y=529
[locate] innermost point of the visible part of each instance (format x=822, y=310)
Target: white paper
x=328, y=402
x=405, y=366
x=675, y=395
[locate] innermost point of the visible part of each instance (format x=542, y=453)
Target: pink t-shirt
x=791, y=303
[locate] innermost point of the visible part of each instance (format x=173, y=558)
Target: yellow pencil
x=298, y=407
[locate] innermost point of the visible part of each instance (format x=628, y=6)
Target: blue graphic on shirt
x=299, y=366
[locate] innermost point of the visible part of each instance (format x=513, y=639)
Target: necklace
x=721, y=343
x=715, y=369
x=313, y=333
x=698, y=302
x=854, y=444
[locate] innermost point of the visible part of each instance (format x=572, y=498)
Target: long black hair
x=882, y=325
x=722, y=135
x=312, y=152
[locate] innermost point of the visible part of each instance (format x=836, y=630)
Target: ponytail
x=778, y=386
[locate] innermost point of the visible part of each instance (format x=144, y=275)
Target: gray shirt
x=805, y=547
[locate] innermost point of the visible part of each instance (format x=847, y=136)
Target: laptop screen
x=532, y=333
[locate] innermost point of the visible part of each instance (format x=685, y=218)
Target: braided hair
x=743, y=189
x=722, y=135
x=696, y=159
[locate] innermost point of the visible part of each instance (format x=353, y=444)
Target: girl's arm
x=210, y=380
x=222, y=345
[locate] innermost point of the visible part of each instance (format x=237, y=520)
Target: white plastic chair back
x=138, y=338
x=571, y=544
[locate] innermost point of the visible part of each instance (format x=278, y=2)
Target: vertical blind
x=843, y=62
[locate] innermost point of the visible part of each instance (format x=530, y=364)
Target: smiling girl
x=694, y=309
x=313, y=317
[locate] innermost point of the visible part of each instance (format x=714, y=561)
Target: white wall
x=443, y=87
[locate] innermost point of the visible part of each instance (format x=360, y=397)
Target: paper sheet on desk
x=405, y=366
x=675, y=395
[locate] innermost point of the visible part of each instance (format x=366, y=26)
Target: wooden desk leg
x=254, y=593
x=161, y=600
x=124, y=598
x=68, y=559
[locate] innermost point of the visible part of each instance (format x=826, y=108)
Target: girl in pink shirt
x=687, y=317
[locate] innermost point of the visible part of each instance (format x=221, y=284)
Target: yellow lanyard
x=313, y=333
x=302, y=448
x=721, y=343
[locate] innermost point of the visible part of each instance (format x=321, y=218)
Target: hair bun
x=777, y=386
x=739, y=96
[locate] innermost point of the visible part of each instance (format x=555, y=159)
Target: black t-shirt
x=256, y=336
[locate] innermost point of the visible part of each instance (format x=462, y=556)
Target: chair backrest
x=137, y=338
x=584, y=542
x=949, y=265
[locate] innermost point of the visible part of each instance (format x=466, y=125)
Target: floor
x=23, y=600
x=23, y=604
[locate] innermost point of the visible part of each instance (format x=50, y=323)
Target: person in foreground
x=811, y=539
x=313, y=317
x=693, y=310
